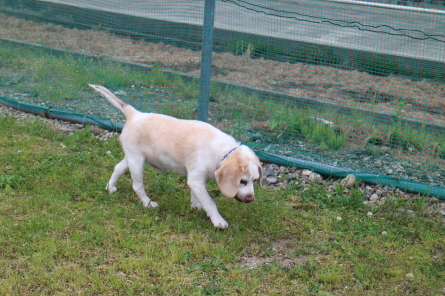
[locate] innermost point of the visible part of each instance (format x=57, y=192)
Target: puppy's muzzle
x=248, y=198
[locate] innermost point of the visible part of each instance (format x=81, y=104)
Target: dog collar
x=228, y=153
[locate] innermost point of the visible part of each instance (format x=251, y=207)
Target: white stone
x=272, y=180
x=316, y=177
x=348, y=181
x=374, y=197
x=306, y=172
x=409, y=275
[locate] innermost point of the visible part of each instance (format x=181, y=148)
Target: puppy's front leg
x=199, y=192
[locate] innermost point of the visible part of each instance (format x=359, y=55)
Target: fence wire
x=344, y=84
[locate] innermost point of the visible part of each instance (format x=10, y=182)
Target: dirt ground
x=422, y=100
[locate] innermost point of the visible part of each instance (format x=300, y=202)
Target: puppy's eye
x=243, y=183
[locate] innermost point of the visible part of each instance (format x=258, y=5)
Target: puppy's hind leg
x=136, y=165
x=119, y=170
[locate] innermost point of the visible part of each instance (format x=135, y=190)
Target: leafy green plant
x=301, y=123
x=335, y=198
x=80, y=138
x=317, y=55
x=10, y=180
x=379, y=66
x=401, y=135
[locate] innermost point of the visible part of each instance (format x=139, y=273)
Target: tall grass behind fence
x=354, y=85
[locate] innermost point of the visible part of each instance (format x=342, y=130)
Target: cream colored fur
x=188, y=147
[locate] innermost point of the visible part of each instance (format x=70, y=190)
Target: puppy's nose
x=250, y=198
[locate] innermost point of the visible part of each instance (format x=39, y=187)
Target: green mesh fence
x=336, y=86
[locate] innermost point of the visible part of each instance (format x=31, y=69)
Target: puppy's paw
x=219, y=222
x=111, y=189
x=150, y=204
x=196, y=206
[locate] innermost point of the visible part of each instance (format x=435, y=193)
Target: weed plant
x=62, y=233
x=304, y=123
x=252, y=48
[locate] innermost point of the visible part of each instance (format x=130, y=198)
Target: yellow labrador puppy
x=188, y=147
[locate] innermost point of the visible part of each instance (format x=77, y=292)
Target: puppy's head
x=238, y=173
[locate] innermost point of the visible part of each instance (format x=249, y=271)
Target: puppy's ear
x=228, y=177
x=260, y=179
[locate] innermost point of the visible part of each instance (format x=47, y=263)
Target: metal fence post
x=206, y=60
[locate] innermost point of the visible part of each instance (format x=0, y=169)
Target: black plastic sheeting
x=323, y=169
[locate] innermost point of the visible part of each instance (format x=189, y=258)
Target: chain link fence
x=336, y=86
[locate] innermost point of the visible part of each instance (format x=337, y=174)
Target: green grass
x=62, y=233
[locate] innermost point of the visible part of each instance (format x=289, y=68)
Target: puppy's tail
x=115, y=101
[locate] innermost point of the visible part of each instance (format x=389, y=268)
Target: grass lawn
x=62, y=233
